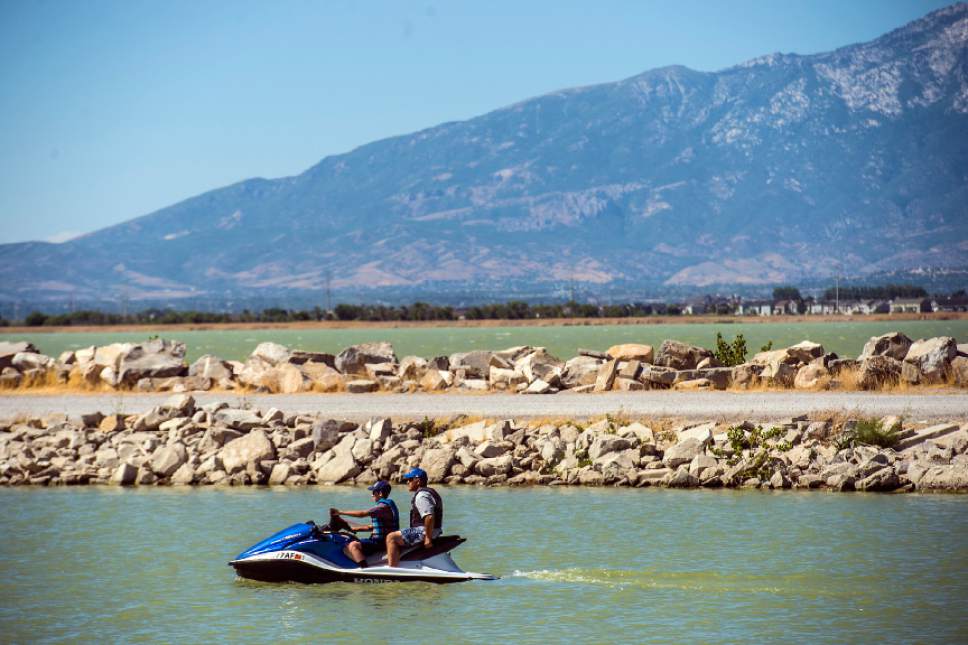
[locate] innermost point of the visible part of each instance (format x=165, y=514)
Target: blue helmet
x=416, y=473
x=382, y=487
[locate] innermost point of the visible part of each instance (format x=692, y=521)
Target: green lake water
x=576, y=565
x=845, y=338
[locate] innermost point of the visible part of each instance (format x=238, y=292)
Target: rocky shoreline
x=159, y=365
x=181, y=443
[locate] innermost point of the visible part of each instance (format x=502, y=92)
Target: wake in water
x=623, y=579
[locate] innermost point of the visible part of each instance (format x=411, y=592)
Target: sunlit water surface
x=581, y=565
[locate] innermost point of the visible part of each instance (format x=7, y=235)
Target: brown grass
x=530, y=322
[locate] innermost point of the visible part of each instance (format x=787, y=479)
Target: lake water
x=845, y=338
x=576, y=565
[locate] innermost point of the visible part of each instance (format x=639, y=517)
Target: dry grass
x=530, y=322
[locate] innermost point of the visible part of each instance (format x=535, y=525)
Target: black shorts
x=371, y=546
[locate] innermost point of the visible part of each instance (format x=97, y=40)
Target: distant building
x=822, y=308
x=957, y=302
x=781, y=307
x=910, y=305
x=755, y=308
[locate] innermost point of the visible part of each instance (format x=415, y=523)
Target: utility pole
x=329, y=294
x=837, y=293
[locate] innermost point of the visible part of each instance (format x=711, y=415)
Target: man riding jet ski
x=309, y=553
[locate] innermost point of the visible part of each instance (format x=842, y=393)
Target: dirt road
x=705, y=405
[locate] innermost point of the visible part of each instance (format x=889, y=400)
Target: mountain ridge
x=781, y=168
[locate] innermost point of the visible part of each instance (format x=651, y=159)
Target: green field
x=845, y=338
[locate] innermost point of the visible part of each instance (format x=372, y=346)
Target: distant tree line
x=422, y=311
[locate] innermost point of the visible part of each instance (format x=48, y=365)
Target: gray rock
x=280, y=473
x=658, y=376
x=124, y=475
x=437, y=462
x=604, y=444
x=883, y=479
x=578, y=371
x=932, y=358
x=682, y=479
x=877, y=371
x=250, y=448
x=680, y=356
x=167, y=459
x=362, y=386
x=476, y=364
x=340, y=465
x=682, y=453
x=606, y=376
x=494, y=466
x=353, y=360
x=243, y=420
x=894, y=345
x=184, y=476
x=8, y=350
x=271, y=353
x=212, y=367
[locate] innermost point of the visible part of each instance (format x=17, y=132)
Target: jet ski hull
x=293, y=566
x=303, y=553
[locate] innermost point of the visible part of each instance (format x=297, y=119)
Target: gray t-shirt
x=424, y=502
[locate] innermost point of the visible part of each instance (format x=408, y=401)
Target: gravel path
x=706, y=405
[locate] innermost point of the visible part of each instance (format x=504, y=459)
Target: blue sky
x=111, y=110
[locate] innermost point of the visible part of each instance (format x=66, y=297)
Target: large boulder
x=353, y=359
x=539, y=364
x=251, y=448
x=606, y=376
x=894, y=344
x=9, y=350
x=156, y=358
x=683, y=452
x=811, y=376
x=878, y=370
x=26, y=361
x=631, y=352
x=168, y=459
x=321, y=376
x=213, y=367
x=681, y=356
x=271, y=353
x=931, y=359
x=338, y=465
x=580, y=370
x=476, y=364
x=606, y=443
x=437, y=463
x=239, y=419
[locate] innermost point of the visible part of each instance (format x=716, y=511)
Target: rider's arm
x=361, y=527
x=428, y=522
x=354, y=513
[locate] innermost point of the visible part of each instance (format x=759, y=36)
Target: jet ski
x=309, y=553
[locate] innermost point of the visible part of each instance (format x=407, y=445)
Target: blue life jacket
x=381, y=528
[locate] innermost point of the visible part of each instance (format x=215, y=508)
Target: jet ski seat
x=442, y=544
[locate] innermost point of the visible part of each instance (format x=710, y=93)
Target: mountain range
x=781, y=169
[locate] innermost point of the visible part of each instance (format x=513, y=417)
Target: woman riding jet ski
x=309, y=553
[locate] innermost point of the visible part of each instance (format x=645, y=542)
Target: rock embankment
x=180, y=443
x=159, y=366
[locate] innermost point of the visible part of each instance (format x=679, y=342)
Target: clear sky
x=111, y=110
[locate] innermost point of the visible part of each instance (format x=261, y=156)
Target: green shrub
x=767, y=347
x=730, y=354
x=869, y=432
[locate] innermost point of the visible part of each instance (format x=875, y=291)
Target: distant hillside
x=786, y=168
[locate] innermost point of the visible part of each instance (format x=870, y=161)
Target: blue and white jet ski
x=308, y=553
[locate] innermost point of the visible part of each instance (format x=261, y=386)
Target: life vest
x=416, y=520
x=380, y=528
